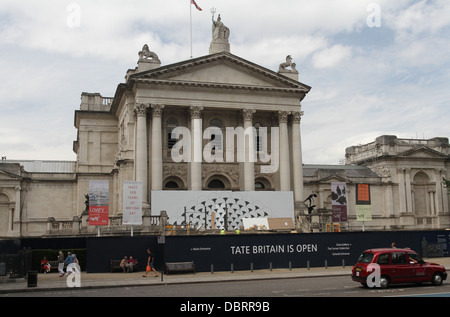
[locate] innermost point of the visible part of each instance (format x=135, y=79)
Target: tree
x=446, y=182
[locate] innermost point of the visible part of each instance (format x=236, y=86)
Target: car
x=383, y=267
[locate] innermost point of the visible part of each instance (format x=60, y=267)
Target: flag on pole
x=194, y=3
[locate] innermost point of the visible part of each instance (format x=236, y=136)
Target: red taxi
x=382, y=267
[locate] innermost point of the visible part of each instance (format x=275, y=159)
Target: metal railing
x=15, y=265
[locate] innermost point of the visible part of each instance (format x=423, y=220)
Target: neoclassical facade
x=212, y=99
x=216, y=123
x=410, y=176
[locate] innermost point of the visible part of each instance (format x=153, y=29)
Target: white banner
x=221, y=209
x=132, y=203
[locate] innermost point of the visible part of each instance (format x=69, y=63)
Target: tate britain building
x=214, y=143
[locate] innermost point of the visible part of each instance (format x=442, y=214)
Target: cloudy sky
x=375, y=67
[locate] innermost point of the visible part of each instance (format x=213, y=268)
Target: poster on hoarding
x=339, y=202
x=363, y=204
x=132, y=203
x=221, y=209
x=98, y=203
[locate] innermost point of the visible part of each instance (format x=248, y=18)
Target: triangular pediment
x=222, y=73
x=422, y=153
x=335, y=178
x=221, y=69
x=7, y=176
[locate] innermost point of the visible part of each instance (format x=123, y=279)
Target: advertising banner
x=221, y=209
x=339, y=202
x=363, y=203
x=98, y=203
x=132, y=203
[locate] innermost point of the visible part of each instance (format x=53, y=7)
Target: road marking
x=319, y=294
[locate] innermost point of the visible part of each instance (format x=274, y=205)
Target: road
x=337, y=286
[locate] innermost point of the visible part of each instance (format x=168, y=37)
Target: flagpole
x=190, y=8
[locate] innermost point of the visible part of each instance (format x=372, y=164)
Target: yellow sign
x=363, y=213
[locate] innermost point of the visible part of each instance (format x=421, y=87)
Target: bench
x=54, y=266
x=115, y=266
x=180, y=267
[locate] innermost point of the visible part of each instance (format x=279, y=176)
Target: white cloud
x=365, y=81
x=422, y=16
x=332, y=56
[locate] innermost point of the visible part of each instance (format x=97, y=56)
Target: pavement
x=52, y=281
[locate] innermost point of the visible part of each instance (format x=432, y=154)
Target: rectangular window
x=216, y=142
x=398, y=258
x=170, y=141
x=383, y=258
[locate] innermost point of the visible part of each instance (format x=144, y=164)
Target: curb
x=229, y=280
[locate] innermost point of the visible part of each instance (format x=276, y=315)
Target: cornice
x=220, y=86
x=85, y=113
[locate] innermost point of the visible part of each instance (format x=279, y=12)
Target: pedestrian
x=68, y=261
x=124, y=264
x=393, y=245
x=75, y=259
x=61, y=263
x=150, y=267
x=131, y=264
x=45, y=266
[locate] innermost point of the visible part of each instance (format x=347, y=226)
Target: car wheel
x=384, y=282
x=437, y=279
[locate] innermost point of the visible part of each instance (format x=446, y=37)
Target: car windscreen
x=414, y=258
x=365, y=257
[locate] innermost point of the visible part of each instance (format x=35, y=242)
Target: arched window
x=216, y=184
x=171, y=185
x=423, y=195
x=259, y=186
x=4, y=214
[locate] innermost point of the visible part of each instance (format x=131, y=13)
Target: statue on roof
x=220, y=35
x=288, y=63
x=146, y=54
x=220, y=31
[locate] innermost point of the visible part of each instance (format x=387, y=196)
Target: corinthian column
x=196, y=135
x=249, y=165
x=141, y=148
x=285, y=172
x=156, y=147
x=401, y=190
x=408, y=190
x=297, y=160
